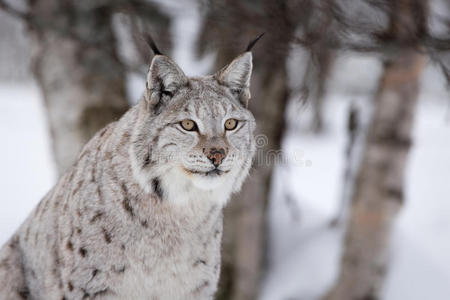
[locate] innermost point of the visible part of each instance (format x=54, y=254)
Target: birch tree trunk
x=378, y=193
x=74, y=60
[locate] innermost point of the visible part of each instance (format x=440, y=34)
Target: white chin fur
x=182, y=188
x=209, y=183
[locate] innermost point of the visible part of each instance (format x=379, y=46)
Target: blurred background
x=352, y=96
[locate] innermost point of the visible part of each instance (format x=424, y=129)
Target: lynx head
x=195, y=131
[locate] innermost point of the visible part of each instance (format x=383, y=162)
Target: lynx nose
x=215, y=155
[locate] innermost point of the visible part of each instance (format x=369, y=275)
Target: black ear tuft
x=252, y=43
x=152, y=44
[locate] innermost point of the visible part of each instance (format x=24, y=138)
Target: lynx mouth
x=215, y=172
x=212, y=173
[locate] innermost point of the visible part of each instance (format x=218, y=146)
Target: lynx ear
x=163, y=80
x=236, y=76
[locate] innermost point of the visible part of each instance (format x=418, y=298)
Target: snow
x=27, y=168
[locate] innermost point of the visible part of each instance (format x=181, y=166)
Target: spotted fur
x=139, y=215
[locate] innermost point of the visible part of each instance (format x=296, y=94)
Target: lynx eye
x=231, y=124
x=188, y=125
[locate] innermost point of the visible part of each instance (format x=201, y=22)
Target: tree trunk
x=243, y=247
x=319, y=66
x=14, y=50
x=248, y=209
x=316, y=22
x=351, y=163
x=378, y=193
x=244, y=229
x=74, y=60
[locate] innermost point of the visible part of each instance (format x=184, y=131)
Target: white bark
x=378, y=193
x=75, y=63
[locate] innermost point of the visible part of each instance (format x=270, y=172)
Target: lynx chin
x=139, y=215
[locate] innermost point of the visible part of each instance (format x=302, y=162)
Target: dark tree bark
x=378, y=193
x=244, y=229
x=351, y=164
x=314, y=83
x=315, y=21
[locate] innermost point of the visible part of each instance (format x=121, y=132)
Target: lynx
x=139, y=215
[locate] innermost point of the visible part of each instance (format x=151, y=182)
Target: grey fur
x=137, y=216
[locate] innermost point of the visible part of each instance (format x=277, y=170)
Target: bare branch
x=7, y=8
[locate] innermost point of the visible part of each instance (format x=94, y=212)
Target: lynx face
x=196, y=129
